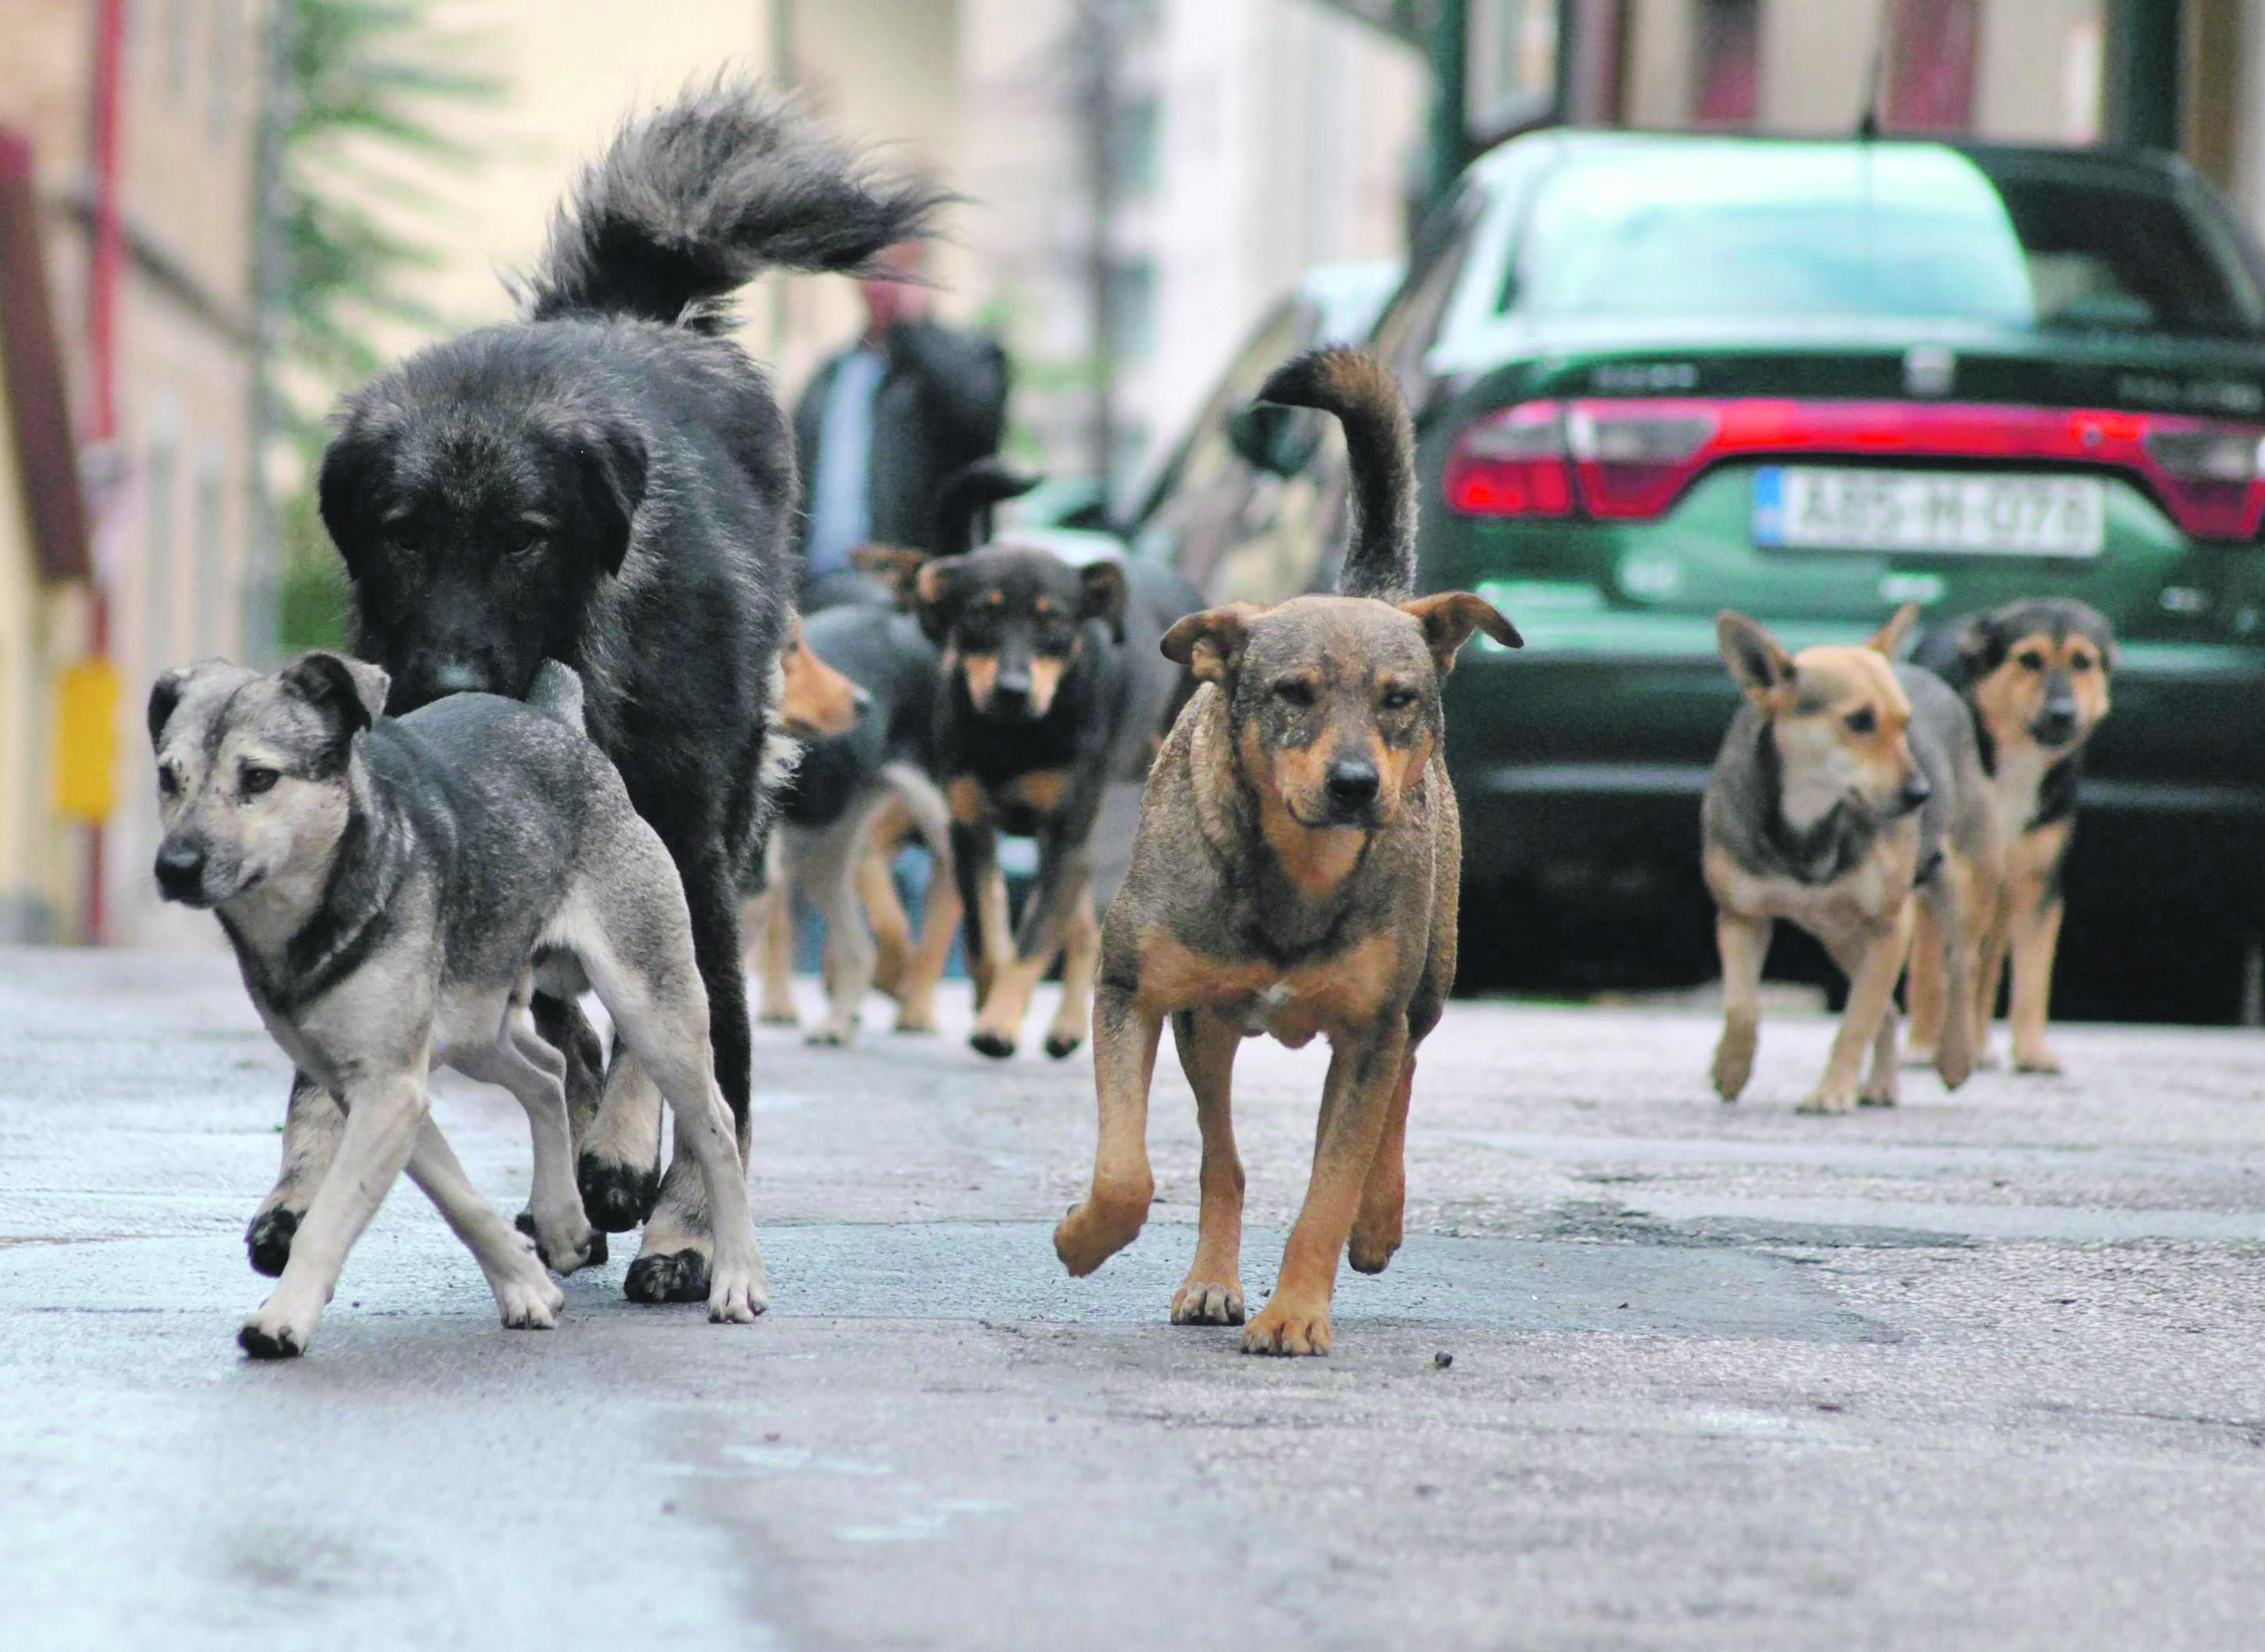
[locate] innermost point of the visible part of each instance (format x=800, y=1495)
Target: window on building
x=1133, y=309
x=157, y=580
x=1930, y=70
x=212, y=607
x=1139, y=130
x=1726, y=62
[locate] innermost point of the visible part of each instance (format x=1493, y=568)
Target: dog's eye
x=1862, y=722
x=252, y=782
x=529, y=545
x=1398, y=698
x=1294, y=691
x=2079, y=662
x=2031, y=660
x=169, y=780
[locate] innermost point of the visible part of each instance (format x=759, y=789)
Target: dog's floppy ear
x=351, y=693
x=1449, y=619
x=1210, y=643
x=165, y=693
x=611, y=459
x=1757, y=664
x=935, y=597
x=1981, y=648
x=1102, y=596
x=347, y=494
x=1888, y=639
x=895, y=566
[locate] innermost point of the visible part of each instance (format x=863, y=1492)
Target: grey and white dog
x=393, y=891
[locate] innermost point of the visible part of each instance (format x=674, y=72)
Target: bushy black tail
x=967, y=493
x=1380, y=441
x=695, y=200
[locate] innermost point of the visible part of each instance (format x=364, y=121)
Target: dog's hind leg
x=1924, y=989
x=769, y=920
x=618, y=1168
x=1081, y=959
x=832, y=876
x=1378, y=1228
x=524, y=1294
x=1212, y=1294
x=1125, y=1035
x=2037, y=907
x=940, y=913
x=1954, y=896
x=535, y=1074
x=312, y=1123
x=877, y=890
x=1875, y=959
x=382, y=1121
x=630, y=933
x=1357, y=1099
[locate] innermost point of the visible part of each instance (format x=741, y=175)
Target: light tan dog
x=1846, y=786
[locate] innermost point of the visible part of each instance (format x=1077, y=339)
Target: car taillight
x=1633, y=459
x=1511, y=463
x=2209, y=476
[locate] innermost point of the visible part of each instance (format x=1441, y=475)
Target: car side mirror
x=1280, y=440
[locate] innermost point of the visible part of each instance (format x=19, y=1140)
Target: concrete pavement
x=1980, y=1372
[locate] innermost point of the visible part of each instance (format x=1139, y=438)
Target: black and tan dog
x=2034, y=676
x=1847, y=797
x=1295, y=872
x=1054, y=689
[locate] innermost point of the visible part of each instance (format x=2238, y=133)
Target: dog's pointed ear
x=1102, y=596
x=895, y=566
x=1981, y=648
x=1757, y=664
x=612, y=462
x=935, y=596
x=349, y=692
x=1449, y=619
x=1210, y=643
x=1888, y=639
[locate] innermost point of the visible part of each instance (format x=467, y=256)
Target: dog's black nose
x=1010, y=690
x=1352, y=783
x=2055, y=725
x=457, y=676
x=180, y=870
x=1915, y=791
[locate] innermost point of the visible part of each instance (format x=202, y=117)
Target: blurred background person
x=881, y=423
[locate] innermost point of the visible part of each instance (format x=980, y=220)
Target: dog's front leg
x=1080, y=962
x=312, y=1124
x=1744, y=944
x=2035, y=926
x=382, y=1118
x=1874, y=960
x=982, y=898
x=1065, y=878
x=524, y=1293
x=1212, y=1294
x=1125, y=1035
x=1377, y=1230
x=1356, y=1100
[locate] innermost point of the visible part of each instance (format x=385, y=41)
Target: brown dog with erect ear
x=1295, y=872
x=1848, y=797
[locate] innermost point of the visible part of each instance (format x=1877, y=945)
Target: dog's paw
x=616, y=1197
x=1097, y=1230
x=2037, y=1058
x=997, y=1046
x=278, y=1330
x=526, y=1296
x=1829, y=1099
x=1956, y=1066
x=1879, y=1090
x=1288, y=1327
x=738, y=1299
x=778, y=1012
x=832, y=1036
x=679, y=1276
x=1372, y=1252
x=268, y=1242
x=566, y=1258
x=1734, y=1062
x=912, y=1018
x=1208, y=1302
x=1060, y=1044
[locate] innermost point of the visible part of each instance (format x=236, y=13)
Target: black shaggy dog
x=610, y=482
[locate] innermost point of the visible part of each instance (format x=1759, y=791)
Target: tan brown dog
x=814, y=699
x=1847, y=785
x=2033, y=676
x=1295, y=872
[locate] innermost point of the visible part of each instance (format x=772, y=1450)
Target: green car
x=1659, y=375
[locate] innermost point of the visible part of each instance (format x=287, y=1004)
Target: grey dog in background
x=395, y=891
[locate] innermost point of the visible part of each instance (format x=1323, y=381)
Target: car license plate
x=1951, y=512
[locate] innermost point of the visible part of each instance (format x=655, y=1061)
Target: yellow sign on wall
x=86, y=742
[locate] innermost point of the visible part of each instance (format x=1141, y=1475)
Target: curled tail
x=966, y=494
x=557, y=692
x=1380, y=441
x=695, y=200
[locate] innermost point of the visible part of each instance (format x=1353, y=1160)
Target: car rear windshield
x=1915, y=230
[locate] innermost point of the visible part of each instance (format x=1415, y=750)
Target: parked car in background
x=1658, y=375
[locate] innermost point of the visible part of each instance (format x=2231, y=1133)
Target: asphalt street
x=1982, y=1371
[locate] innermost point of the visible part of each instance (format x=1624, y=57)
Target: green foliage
x=311, y=605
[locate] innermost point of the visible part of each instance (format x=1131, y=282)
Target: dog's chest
x=2016, y=787
x=1868, y=892
x=1340, y=992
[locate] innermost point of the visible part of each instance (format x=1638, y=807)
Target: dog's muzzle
x=1912, y=793
x=2055, y=725
x=1351, y=788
